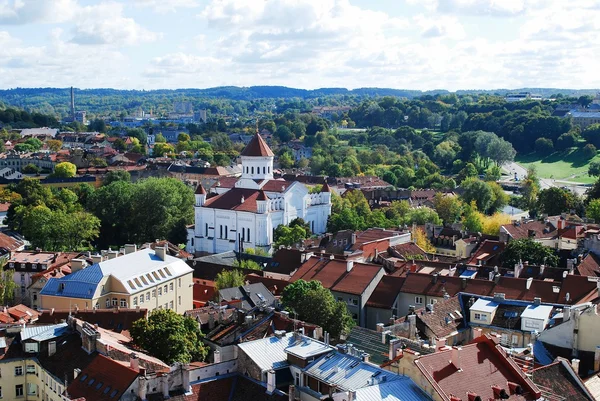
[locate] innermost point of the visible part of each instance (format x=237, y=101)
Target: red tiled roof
x=204, y=291
x=277, y=185
x=487, y=252
x=439, y=321
x=10, y=243
x=232, y=200
x=589, y=266
x=257, y=147
x=386, y=292
x=562, y=383
x=20, y=311
x=4, y=207
x=325, y=187
x=521, y=230
x=333, y=274
x=118, y=320
x=101, y=374
x=483, y=364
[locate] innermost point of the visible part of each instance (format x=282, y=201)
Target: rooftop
x=560, y=379
x=484, y=305
x=257, y=147
x=269, y=353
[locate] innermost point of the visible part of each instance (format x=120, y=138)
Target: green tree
x=160, y=138
x=284, y=134
x=478, y=191
x=449, y=208
x=229, y=279
x=183, y=137
x=8, y=286
x=54, y=145
x=527, y=249
x=472, y=219
x=64, y=170
x=594, y=169
x=247, y=264
x=315, y=304
x=161, y=149
x=554, y=201
x=593, y=210
x=116, y=175
x=31, y=169
x=180, y=337
x=286, y=160
x=544, y=146
x=589, y=151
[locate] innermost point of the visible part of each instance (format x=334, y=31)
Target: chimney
x=537, y=301
x=217, y=356
x=353, y=238
x=575, y=365
x=142, y=387
x=456, y=357
x=463, y=283
x=499, y=297
x=292, y=393
x=77, y=264
x=477, y=332
x=395, y=345
x=364, y=357
x=134, y=362
x=528, y=283
x=566, y=313
x=271, y=382
x=160, y=252
x=76, y=373
x=441, y=343
x=597, y=359
x=112, y=254
x=326, y=338
x=185, y=379
x=380, y=327
x=352, y=395
x=211, y=320
x=130, y=248
x=96, y=259
x=349, y=265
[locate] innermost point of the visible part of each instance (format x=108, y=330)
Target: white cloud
x=440, y=27
x=163, y=6
x=105, y=24
x=17, y=12
x=498, y=8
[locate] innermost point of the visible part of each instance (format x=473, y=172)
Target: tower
x=72, y=103
x=257, y=160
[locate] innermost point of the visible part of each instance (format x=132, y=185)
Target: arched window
x=264, y=170
x=252, y=169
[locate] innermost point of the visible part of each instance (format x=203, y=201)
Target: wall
x=407, y=299
x=215, y=369
x=45, y=383
x=247, y=367
x=588, y=324
x=367, y=294
x=377, y=315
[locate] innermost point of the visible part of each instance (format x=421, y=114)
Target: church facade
x=249, y=209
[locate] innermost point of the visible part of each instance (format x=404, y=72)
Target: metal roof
x=484, y=305
x=308, y=347
x=537, y=312
x=43, y=333
x=2, y=342
x=81, y=284
x=585, y=114
x=401, y=389
x=269, y=353
x=348, y=372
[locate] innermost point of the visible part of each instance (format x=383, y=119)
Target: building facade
x=250, y=211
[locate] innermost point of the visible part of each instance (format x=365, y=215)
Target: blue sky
x=413, y=44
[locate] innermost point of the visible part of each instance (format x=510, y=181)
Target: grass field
x=569, y=165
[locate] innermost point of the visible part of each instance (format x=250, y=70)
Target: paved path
x=575, y=187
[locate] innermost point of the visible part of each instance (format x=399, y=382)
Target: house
x=562, y=379
x=17, y=315
x=349, y=281
x=443, y=321
x=27, y=264
x=365, y=246
x=487, y=254
x=382, y=304
x=9, y=244
x=247, y=212
x=575, y=337
x=118, y=320
x=248, y=297
x=478, y=371
x=147, y=278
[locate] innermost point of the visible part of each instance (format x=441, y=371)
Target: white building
x=252, y=207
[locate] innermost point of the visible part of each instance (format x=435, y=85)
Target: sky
x=405, y=44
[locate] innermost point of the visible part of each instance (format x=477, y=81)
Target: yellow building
x=147, y=278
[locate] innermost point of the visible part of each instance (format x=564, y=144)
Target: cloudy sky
x=413, y=44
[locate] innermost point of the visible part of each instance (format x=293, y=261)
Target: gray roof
x=269, y=353
x=348, y=372
x=251, y=295
x=585, y=114
x=43, y=333
x=225, y=258
x=401, y=389
x=537, y=312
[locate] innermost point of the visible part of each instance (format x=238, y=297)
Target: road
x=575, y=187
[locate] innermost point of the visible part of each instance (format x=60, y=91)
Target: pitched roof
x=488, y=252
x=482, y=365
x=102, y=380
x=325, y=187
x=539, y=229
x=333, y=274
x=204, y=291
x=562, y=381
x=257, y=147
x=589, y=266
x=232, y=200
x=118, y=320
x=10, y=243
x=274, y=285
x=200, y=190
x=386, y=292
x=445, y=318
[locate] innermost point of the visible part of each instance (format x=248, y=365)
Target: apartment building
x=151, y=279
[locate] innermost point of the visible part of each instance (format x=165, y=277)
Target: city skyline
x=408, y=44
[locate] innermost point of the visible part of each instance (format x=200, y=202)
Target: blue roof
x=584, y=114
x=81, y=284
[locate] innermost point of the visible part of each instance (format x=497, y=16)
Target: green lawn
x=569, y=165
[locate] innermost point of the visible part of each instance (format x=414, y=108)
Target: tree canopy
x=526, y=249
x=180, y=337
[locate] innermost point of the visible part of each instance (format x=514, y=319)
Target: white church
x=250, y=208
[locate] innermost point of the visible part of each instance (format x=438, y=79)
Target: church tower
x=257, y=160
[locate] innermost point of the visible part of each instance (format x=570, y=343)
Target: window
x=264, y=170
x=481, y=316
x=248, y=235
x=114, y=302
x=206, y=230
x=226, y=232
x=35, y=296
x=22, y=277
x=159, y=291
x=179, y=282
x=34, y=266
x=220, y=231
x=252, y=169
x=419, y=300
x=18, y=370
x=147, y=296
x=30, y=368
x=355, y=302
x=165, y=289
x=142, y=298
x=179, y=300
x=515, y=340
x=0, y=392
x=19, y=390
x=31, y=389
x=166, y=306
x=135, y=300
x=31, y=347
x=171, y=304
x=108, y=302
x=153, y=293
x=340, y=299
x=123, y=302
